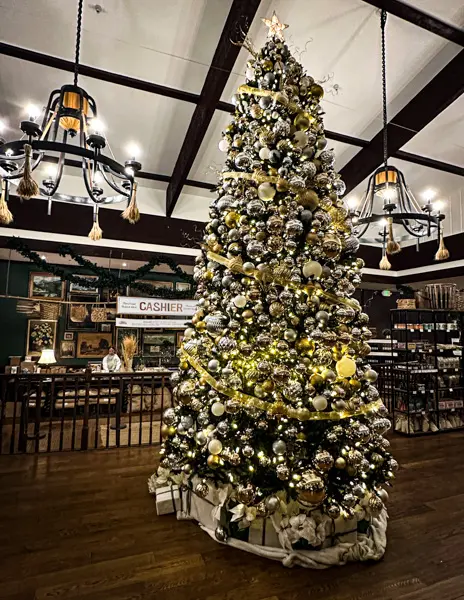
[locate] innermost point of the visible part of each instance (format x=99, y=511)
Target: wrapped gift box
x=341, y=531
x=167, y=500
x=263, y=533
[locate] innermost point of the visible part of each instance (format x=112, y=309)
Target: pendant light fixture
x=388, y=193
x=69, y=128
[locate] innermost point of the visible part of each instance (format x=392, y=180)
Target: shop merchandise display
x=276, y=443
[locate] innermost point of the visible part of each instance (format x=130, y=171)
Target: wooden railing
x=59, y=412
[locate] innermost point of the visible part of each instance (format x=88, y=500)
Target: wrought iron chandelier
x=388, y=193
x=71, y=129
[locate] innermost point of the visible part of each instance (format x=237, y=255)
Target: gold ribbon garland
x=278, y=407
x=236, y=266
x=279, y=97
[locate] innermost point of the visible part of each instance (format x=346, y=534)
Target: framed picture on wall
x=93, y=345
x=41, y=334
x=68, y=335
x=106, y=327
x=45, y=285
x=86, y=286
x=78, y=316
x=179, y=338
x=67, y=349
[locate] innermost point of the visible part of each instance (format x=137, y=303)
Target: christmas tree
x=276, y=413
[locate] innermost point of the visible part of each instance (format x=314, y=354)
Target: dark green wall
x=13, y=326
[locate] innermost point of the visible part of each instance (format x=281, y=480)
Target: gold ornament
x=201, y=326
x=305, y=346
x=317, y=91
x=355, y=384
x=213, y=461
x=256, y=111
x=346, y=367
x=248, y=315
x=282, y=185
x=308, y=199
x=275, y=26
x=267, y=65
x=231, y=219
x=340, y=463
x=312, y=238
x=302, y=121
x=268, y=386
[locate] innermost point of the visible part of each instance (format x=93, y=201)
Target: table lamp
x=47, y=357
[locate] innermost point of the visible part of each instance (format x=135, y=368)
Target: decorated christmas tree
x=277, y=418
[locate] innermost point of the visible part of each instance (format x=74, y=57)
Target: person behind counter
x=111, y=362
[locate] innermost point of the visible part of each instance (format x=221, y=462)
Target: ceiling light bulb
x=9, y=152
x=97, y=125
x=98, y=178
x=388, y=193
x=52, y=171
x=33, y=111
x=352, y=203
x=438, y=205
x=383, y=222
x=429, y=194
x=124, y=264
x=129, y=171
x=133, y=150
x=43, y=257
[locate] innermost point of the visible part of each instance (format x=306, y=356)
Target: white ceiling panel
x=167, y=42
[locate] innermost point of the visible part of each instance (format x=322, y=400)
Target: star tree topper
x=275, y=26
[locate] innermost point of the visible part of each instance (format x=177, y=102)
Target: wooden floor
x=82, y=525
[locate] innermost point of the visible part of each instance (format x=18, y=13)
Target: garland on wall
x=106, y=278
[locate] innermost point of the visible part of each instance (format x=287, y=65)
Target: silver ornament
x=279, y=447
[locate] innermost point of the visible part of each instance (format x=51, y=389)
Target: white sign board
x=152, y=323
x=158, y=307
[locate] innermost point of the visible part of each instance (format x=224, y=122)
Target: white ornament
x=250, y=74
x=312, y=269
x=223, y=145
x=320, y=402
x=215, y=447
x=218, y=409
x=239, y=301
x=188, y=333
x=264, y=153
x=266, y=191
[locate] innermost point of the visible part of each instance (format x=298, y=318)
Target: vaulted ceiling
x=163, y=74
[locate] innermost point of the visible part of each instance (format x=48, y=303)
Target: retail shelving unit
x=427, y=378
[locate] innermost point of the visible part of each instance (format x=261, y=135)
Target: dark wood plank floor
x=82, y=525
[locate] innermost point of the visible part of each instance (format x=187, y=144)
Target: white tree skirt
x=369, y=546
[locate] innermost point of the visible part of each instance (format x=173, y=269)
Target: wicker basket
x=422, y=299
x=406, y=303
x=98, y=315
x=77, y=313
x=28, y=307
x=442, y=295
x=50, y=311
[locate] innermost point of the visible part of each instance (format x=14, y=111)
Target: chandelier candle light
x=400, y=207
x=70, y=128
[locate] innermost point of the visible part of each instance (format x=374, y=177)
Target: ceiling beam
x=427, y=104
x=421, y=19
x=66, y=65
x=239, y=19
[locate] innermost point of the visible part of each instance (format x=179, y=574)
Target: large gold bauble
x=231, y=219
x=213, y=461
x=316, y=379
x=302, y=121
x=311, y=497
x=282, y=185
x=305, y=346
x=346, y=367
x=317, y=91
x=201, y=326
x=355, y=384
x=248, y=314
x=267, y=65
x=256, y=111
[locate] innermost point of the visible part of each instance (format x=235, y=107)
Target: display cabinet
x=427, y=375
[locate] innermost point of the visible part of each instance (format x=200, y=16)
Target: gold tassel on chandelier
x=5, y=213
x=96, y=233
x=385, y=264
x=442, y=252
x=392, y=246
x=27, y=187
x=132, y=213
